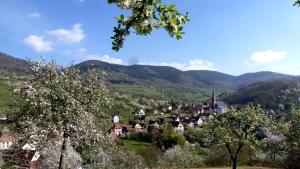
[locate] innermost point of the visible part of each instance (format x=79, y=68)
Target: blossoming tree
x=59, y=104
x=237, y=128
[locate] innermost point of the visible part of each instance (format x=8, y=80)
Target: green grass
x=123, y=108
x=5, y=95
x=136, y=146
x=137, y=90
x=164, y=93
x=148, y=151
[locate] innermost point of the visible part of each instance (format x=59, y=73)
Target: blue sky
x=231, y=36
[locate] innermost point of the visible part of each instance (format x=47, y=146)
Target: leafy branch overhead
x=145, y=16
x=297, y=3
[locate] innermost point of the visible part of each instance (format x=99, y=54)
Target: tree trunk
x=63, y=152
x=234, y=162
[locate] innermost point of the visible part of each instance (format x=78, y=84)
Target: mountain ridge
x=162, y=81
x=11, y=64
x=192, y=82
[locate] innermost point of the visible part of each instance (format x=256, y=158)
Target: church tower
x=213, y=100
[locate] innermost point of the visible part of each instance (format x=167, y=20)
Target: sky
x=230, y=36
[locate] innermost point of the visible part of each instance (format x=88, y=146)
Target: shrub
x=179, y=156
x=151, y=154
x=117, y=159
x=217, y=157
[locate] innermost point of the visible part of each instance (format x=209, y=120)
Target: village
x=12, y=150
x=179, y=115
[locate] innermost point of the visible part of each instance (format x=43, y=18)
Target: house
x=200, y=122
x=156, y=125
x=138, y=128
x=204, y=118
x=127, y=129
x=178, y=126
x=116, y=119
x=26, y=159
x=132, y=122
x=152, y=125
x=139, y=112
x=6, y=141
x=2, y=117
x=221, y=107
x=28, y=147
x=217, y=106
x=117, y=129
x=207, y=111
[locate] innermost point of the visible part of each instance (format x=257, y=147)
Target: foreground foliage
x=293, y=143
x=237, y=128
x=60, y=104
x=145, y=16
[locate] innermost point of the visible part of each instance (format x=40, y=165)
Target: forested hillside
x=278, y=95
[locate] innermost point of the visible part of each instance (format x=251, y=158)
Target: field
x=140, y=148
x=4, y=95
x=164, y=93
x=137, y=90
x=136, y=146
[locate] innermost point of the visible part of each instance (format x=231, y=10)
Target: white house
x=116, y=119
x=179, y=128
x=28, y=147
x=221, y=107
x=6, y=141
x=138, y=128
x=156, y=125
x=140, y=112
x=26, y=158
x=2, y=117
x=200, y=122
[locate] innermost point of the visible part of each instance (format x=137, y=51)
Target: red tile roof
x=117, y=126
x=129, y=128
x=6, y=137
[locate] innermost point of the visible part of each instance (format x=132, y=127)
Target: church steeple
x=213, y=100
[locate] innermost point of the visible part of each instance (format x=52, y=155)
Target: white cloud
x=38, y=43
x=264, y=57
x=78, y=53
x=34, y=15
x=194, y=64
x=105, y=58
x=65, y=36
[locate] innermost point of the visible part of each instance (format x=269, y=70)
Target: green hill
x=278, y=95
x=166, y=82
x=161, y=82
x=10, y=65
